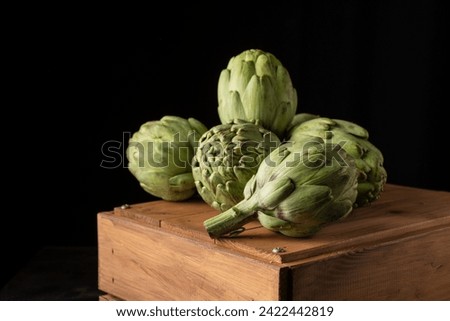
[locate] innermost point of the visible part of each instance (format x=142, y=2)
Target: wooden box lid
x=400, y=212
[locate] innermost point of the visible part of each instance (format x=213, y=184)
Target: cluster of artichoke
x=293, y=172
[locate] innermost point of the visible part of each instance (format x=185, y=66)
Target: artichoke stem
x=232, y=219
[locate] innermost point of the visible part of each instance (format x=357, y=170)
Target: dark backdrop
x=92, y=80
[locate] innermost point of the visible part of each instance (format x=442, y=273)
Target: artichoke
x=354, y=140
x=256, y=87
x=228, y=155
x=297, y=189
x=160, y=156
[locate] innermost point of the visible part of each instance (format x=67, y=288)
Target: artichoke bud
x=354, y=140
x=160, y=153
x=292, y=197
x=228, y=155
x=256, y=87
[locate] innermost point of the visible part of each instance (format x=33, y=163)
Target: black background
x=87, y=80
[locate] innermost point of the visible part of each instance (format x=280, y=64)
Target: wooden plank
x=399, y=212
x=139, y=262
x=403, y=211
x=413, y=268
x=153, y=213
x=189, y=226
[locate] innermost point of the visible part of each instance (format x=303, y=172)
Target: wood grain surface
x=399, y=212
x=137, y=263
x=414, y=268
x=395, y=248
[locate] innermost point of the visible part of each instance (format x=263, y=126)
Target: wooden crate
x=395, y=249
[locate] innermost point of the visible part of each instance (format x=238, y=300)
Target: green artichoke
x=256, y=87
x=354, y=140
x=228, y=155
x=297, y=189
x=160, y=156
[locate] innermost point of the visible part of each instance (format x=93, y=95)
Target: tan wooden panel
x=412, y=268
x=152, y=213
x=138, y=262
x=399, y=212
